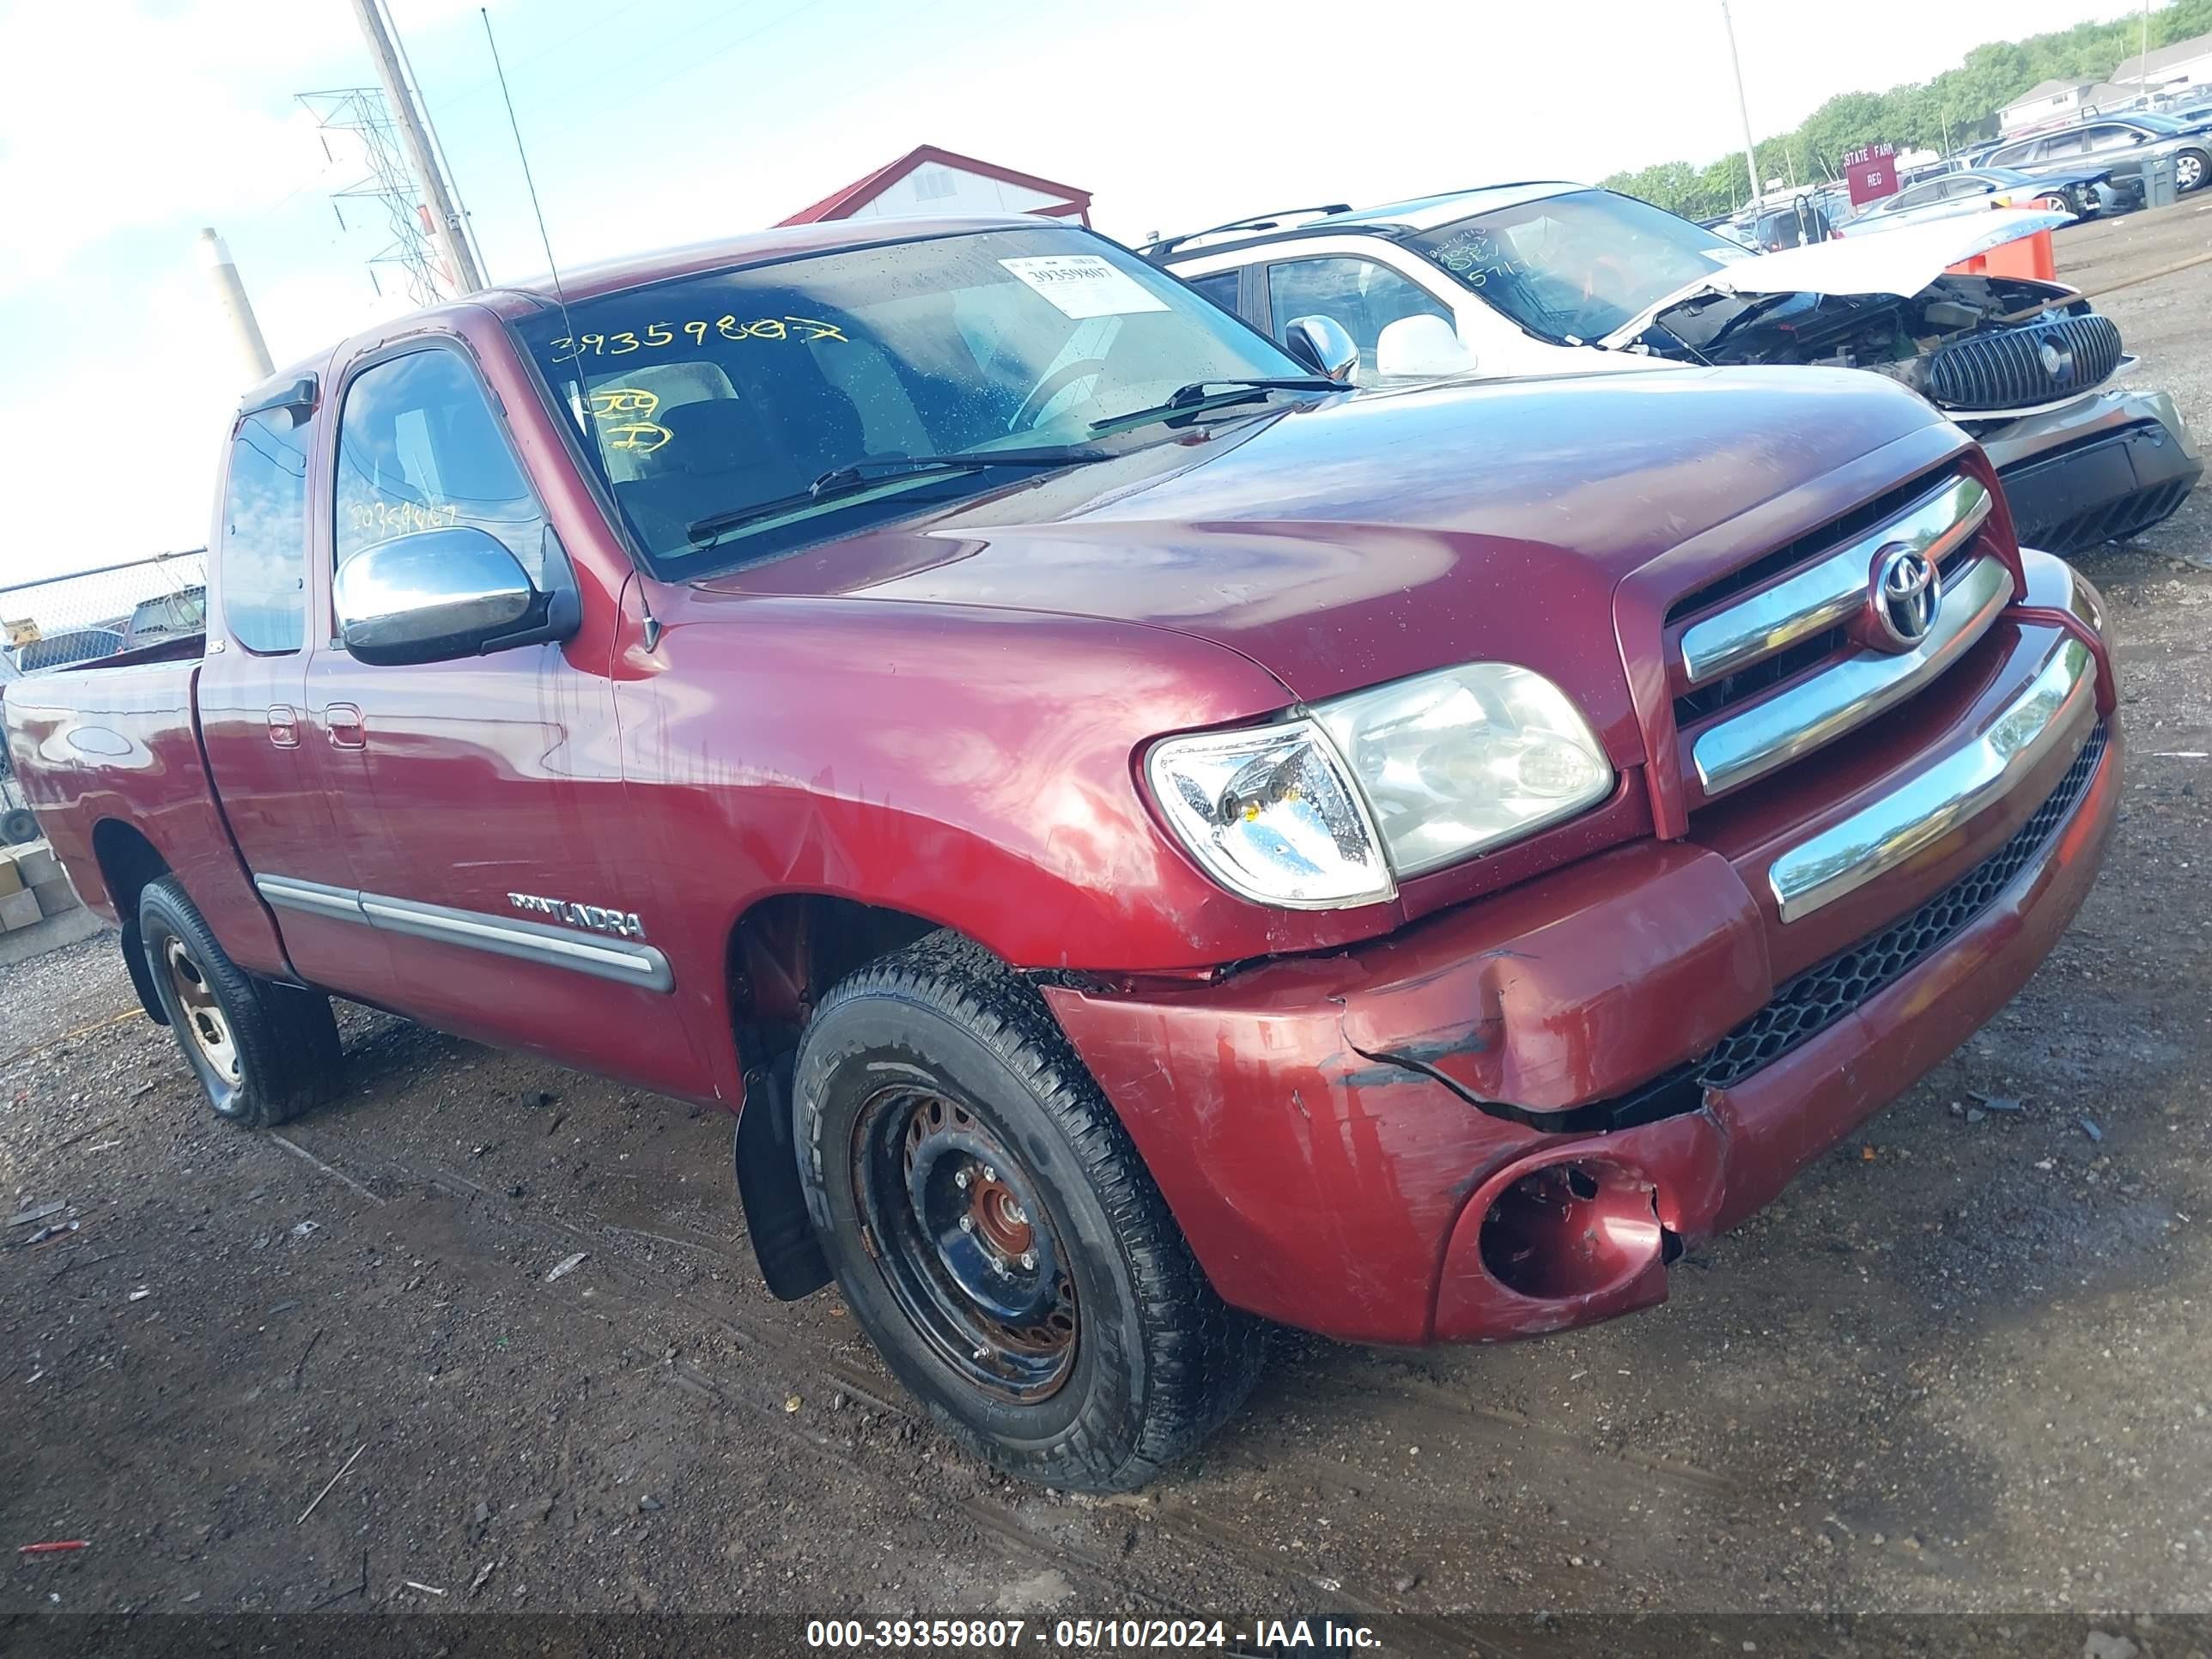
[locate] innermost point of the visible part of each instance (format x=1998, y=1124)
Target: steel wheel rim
x=957, y=1227
x=204, y=1021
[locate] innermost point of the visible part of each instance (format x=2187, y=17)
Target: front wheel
x=997, y=1235
x=2190, y=169
x=264, y=1052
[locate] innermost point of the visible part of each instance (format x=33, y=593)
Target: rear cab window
x=265, y=533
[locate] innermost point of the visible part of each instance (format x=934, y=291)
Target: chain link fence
x=64, y=620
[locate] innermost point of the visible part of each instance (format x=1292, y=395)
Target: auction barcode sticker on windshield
x=1084, y=284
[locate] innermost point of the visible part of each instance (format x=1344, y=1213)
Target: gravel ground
x=1960, y=1367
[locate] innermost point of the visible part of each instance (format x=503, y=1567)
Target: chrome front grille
x=2033, y=364
x=1770, y=675
x=1830, y=591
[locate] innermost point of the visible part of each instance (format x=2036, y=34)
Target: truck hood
x=1354, y=540
x=1900, y=262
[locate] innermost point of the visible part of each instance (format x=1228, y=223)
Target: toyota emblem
x=1907, y=590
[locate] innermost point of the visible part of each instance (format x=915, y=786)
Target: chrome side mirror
x=1321, y=344
x=440, y=594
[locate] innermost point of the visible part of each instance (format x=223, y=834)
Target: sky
x=125, y=126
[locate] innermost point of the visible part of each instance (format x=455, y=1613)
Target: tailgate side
x=110, y=760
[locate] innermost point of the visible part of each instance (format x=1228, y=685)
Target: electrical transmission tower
x=389, y=185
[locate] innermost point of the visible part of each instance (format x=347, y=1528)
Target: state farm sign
x=1870, y=174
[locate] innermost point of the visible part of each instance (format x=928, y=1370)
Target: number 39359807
x=620, y=343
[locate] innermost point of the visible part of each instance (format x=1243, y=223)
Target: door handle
x=283, y=726
x=343, y=720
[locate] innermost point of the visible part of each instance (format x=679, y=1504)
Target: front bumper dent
x=1327, y=1130
x=2109, y=467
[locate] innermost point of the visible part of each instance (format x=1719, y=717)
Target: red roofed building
x=928, y=179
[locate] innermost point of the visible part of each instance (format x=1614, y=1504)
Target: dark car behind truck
x=1153, y=840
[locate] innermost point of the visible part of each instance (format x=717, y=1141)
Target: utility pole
x=230, y=295
x=1742, y=109
x=446, y=219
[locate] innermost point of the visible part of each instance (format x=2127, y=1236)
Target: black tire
x=2204, y=161
x=17, y=826
x=264, y=1052
x=1151, y=1362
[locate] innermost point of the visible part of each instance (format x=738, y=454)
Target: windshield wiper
x=855, y=476
x=1199, y=396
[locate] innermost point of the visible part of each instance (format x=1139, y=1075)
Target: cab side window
x=419, y=449
x=265, y=533
x=1362, y=295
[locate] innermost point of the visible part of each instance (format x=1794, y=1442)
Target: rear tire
x=2190, y=169
x=264, y=1052
x=997, y=1235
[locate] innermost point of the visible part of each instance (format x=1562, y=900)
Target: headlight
x=1271, y=814
x=1329, y=811
x=1456, y=762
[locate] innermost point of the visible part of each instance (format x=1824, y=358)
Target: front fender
x=970, y=767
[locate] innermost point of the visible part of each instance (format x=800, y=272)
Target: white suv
x=1551, y=277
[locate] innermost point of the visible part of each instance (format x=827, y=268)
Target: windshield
x=706, y=396
x=1574, y=268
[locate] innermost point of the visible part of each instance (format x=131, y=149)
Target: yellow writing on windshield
x=644, y=436
x=625, y=417
x=612, y=400
x=805, y=330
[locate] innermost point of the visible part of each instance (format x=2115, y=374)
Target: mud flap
x=141, y=973
x=790, y=1258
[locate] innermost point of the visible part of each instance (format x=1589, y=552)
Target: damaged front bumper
x=2108, y=466
x=1508, y=1118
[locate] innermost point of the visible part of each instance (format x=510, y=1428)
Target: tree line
x=1957, y=105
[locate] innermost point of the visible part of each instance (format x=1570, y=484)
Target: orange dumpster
x=2030, y=257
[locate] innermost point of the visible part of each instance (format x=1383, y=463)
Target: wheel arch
x=783, y=952
x=129, y=864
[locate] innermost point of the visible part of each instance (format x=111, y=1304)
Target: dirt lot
x=1962, y=1365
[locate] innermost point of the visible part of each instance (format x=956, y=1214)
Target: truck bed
x=109, y=757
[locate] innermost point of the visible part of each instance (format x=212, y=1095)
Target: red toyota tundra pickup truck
x=1154, y=842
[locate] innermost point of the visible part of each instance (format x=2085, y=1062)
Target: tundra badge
x=623, y=922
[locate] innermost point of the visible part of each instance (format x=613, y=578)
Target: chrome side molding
x=1820, y=596
x=1879, y=837
x=626, y=962
x=1852, y=691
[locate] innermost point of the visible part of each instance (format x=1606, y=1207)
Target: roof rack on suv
x=1261, y=221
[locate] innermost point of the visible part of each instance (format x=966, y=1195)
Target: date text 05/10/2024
x=1258, y=1636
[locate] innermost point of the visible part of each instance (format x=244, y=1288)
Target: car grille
x=1765, y=674
x=2020, y=367
x=1829, y=991
x=1816, y=999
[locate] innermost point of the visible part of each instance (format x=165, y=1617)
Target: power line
x=363, y=113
